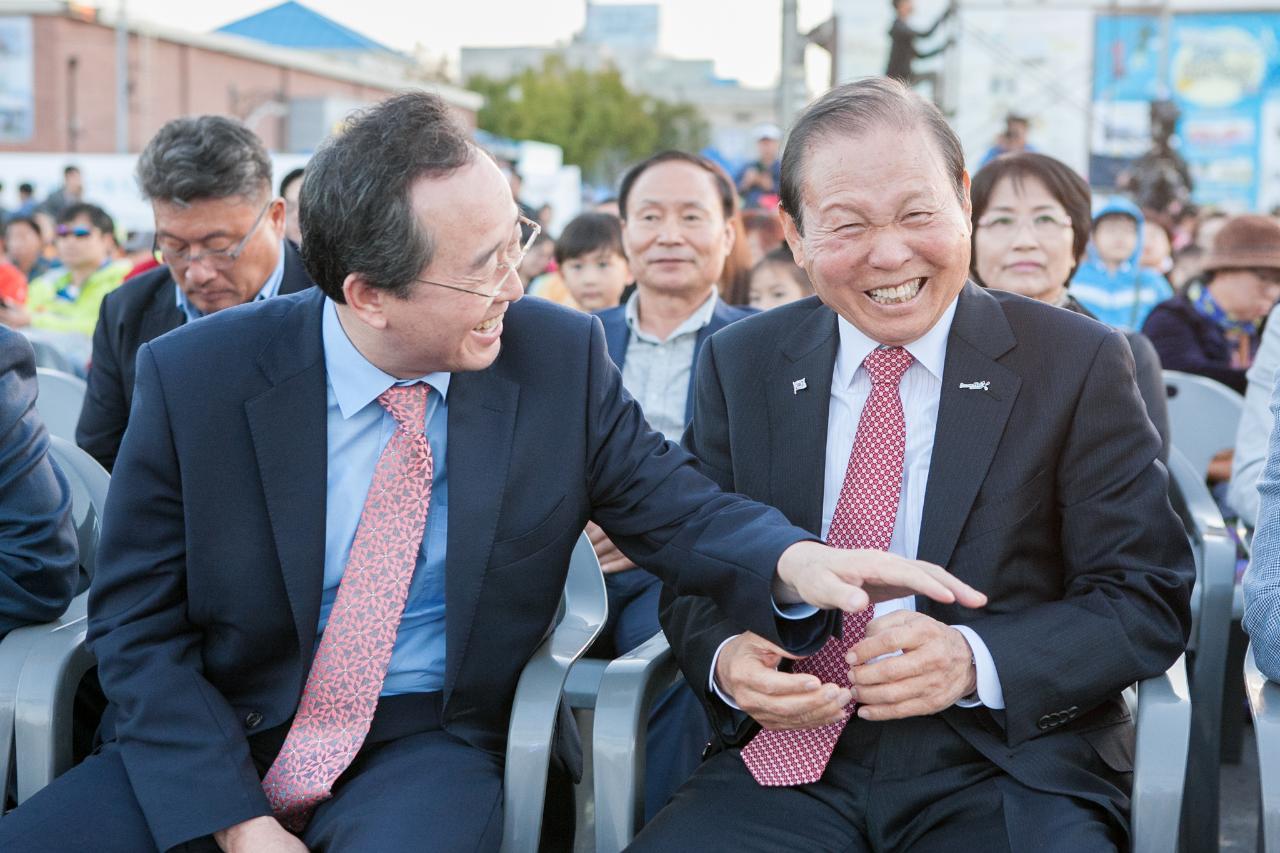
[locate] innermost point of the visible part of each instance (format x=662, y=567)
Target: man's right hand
x=747, y=672
x=850, y=579
x=258, y=835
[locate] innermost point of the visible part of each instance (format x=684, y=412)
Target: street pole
x=122, y=79
x=791, y=58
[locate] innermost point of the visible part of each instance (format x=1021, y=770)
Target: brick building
x=58, y=83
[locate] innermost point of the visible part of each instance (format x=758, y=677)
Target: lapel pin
x=984, y=385
x=799, y=385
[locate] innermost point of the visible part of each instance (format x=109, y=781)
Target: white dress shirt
x=921, y=392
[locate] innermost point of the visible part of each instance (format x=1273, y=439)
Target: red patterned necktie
x=864, y=518
x=346, y=677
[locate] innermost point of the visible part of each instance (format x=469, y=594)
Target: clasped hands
x=933, y=671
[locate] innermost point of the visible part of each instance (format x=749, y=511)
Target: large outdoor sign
x=1223, y=72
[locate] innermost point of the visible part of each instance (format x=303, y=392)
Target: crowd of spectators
x=723, y=344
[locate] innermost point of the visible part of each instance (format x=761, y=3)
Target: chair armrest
x=630, y=686
x=1160, y=760
x=14, y=650
x=45, y=702
x=1264, y=707
x=531, y=734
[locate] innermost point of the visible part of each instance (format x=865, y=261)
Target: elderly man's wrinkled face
x=886, y=239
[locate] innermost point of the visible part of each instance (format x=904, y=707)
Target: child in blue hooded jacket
x=1110, y=282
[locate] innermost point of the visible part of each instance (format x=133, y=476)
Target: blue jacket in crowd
x=1123, y=298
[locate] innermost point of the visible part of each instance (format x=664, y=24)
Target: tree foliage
x=600, y=123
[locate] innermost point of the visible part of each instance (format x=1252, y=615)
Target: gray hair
x=355, y=208
x=205, y=157
x=857, y=108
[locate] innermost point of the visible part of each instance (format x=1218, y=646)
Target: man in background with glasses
x=66, y=300
x=220, y=234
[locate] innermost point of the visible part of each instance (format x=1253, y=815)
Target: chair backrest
x=48, y=355
x=1203, y=416
x=89, y=482
x=60, y=400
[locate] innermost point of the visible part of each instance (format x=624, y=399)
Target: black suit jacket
x=204, y=609
x=138, y=311
x=1044, y=492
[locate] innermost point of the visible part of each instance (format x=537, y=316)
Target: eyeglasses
x=176, y=252
x=78, y=231
x=1045, y=226
x=516, y=250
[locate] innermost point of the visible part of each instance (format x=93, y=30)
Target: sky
x=742, y=36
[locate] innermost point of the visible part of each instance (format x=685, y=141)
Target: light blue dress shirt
x=358, y=428
x=269, y=289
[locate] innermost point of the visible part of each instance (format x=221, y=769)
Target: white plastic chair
x=1203, y=416
x=60, y=400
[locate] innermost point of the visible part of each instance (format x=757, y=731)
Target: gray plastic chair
x=58, y=659
x=48, y=355
x=60, y=400
x=1161, y=707
x=628, y=687
x=1203, y=416
x=1163, y=722
x=1211, y=614
x=1264, y=707
x=23, y=652
x=584, y=608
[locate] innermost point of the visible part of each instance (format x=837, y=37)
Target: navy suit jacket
x=138, y=311
x=204, y=609
x=38, y=555
x=617, y=335
x=1044, y=492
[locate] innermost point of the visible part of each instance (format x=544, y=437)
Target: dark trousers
x=678, y=727
x=912, y=785
x=412, y=787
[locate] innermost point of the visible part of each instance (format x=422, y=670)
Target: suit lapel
x=719, y=319
x=162, y=314
x=482, y=418
x=616, y=334
x=290, y=439
x=970, y=422
x=798, y=417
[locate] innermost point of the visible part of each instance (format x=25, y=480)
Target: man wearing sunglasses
x=220, y=234
x=67, y=299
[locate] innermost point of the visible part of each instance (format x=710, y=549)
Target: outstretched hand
x=850, y=579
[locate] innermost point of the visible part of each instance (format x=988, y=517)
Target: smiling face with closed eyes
x=886, y=239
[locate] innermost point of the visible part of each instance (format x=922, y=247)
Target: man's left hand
x=934, y=670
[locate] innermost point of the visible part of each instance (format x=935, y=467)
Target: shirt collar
x=929, y=350
x=356, y=382
x=692, y=323
x=268, y=289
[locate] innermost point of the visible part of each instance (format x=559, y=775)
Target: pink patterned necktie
x=864, y=518
x=346, y=677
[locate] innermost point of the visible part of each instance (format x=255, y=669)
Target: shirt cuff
x=794, y=612
x=990, y=693
x=715, y=685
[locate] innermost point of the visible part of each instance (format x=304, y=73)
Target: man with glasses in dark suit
x=221, y=235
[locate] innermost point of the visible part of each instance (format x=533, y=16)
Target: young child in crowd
x=592, y=264
x=1110, y=282
x=777, y=280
